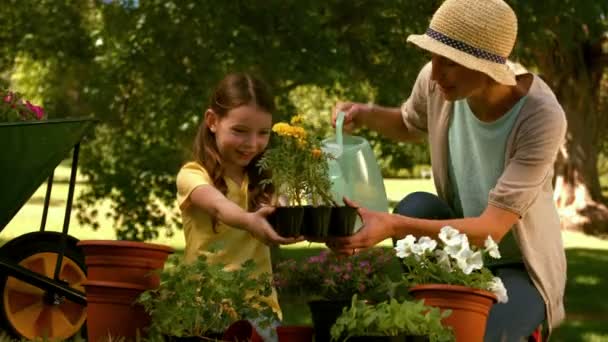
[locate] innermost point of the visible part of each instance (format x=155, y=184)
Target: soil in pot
x=342, y=222
x=316, y=221
x=287, y=221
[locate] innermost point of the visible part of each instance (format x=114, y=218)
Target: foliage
x=298, y=166
x=14, y=108
x=199, y=298
x=144, y=68
x=455, y=262
x=336, y=277
x=392, y=318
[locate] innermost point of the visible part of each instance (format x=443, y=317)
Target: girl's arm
x=209, y=199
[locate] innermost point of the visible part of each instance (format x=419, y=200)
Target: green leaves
x=199, y=298
x=392, y=318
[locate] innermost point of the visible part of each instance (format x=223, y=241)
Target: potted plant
x=450, y=274
x=200, y=300
x=391, y=321
x=300, y=173
x=328, y=281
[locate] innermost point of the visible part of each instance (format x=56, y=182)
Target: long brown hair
x=235, y=90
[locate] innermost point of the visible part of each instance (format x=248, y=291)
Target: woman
x=493, y=139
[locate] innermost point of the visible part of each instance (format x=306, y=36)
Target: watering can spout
x=354, y=171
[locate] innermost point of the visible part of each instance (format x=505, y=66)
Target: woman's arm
x=379, y=226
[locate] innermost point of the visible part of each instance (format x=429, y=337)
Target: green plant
x=453, y=261
x=14, y=108
x=299, y=168
x=201, y=298
x=331, y=276
x=392, y=318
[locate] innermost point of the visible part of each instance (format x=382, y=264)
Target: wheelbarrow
x=41, y=273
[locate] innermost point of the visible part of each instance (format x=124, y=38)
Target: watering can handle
x=339, y=125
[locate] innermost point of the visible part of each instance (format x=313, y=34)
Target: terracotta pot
x=295, y=333
x=111, y=310
x=241, y=331
x=287, y=221
x=470, y=307
x=324, y=314
x=316, y=221
x=124, y=261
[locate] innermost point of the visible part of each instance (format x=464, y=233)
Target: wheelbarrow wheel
x=30, y=312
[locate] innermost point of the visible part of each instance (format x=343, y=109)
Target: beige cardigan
x=525, y=185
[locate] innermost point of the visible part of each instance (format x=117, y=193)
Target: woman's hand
x=353, y=113
x=259, y=227
x=377, y=226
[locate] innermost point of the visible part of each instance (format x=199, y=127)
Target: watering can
x=354, y=171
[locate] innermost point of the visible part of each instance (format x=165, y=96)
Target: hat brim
x=501, y=73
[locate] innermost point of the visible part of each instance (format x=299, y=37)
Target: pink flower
x=38, y=111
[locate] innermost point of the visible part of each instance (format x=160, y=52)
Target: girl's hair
x=235, y=90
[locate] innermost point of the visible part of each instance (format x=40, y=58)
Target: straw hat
x=478, y=34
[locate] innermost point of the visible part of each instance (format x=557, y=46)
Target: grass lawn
x=586, y=307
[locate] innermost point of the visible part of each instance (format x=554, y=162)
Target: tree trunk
x=579, y=84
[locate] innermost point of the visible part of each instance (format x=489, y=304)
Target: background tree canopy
x=146, y=69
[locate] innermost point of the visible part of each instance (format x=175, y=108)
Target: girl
x=218, y=189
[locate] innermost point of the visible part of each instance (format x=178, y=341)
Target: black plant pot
x=287, y=221
x=316, y=221
x=324, y=314
x=342, y=221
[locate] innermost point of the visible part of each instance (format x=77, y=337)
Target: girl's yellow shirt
x=233, y=246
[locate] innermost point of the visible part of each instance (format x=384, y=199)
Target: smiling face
x=455, y=81
x=241, y=135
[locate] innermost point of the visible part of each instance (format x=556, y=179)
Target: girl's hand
x=377, y=227
x=353, y=113
x=259, y=227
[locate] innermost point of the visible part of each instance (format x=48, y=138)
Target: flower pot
x=324, y=314
x=316, y=221
x=241, y=331
x=295, y=333
x=342, y=221
x=287, y=221
x=111, y=310
x=124, y=261
x=470, y=307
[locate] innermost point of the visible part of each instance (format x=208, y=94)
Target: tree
x=567, y=41
x=146, y=69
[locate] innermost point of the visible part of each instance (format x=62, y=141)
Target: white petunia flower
x=427, y=244
x=458, y=244
x=449, y=235
x=404, y=246
x=498, y=288
x=443, y=260
x=492, y=248
x=468, y=261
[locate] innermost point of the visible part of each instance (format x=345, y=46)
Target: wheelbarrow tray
x=30, y=152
